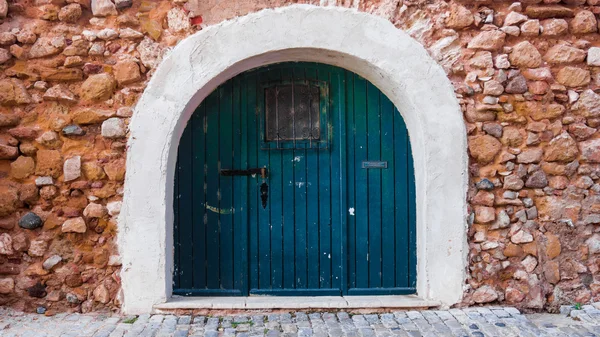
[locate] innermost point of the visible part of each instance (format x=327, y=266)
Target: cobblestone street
x=483, y=321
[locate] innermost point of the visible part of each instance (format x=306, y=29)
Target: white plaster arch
x=365, y=44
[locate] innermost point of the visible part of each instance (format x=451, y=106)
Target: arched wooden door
x=295, y=179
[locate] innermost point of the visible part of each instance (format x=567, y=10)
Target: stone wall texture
x=525, y=74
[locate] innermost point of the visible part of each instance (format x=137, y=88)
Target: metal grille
x=292, y=113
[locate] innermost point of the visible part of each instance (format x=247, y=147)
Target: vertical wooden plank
x=288, y=199
x=412, y=219
x=275, y=196
x=212, y=188
x=225, y=186
x=244, y=197
x=186, y=205
x=374, y=186
x=315, y=177
x=264, y=221
x=324, y=177
x=199, y=200
x=253, y=190
x=300, y=207
x=388, y=245
x=338, y=240
x=361, y=183
x=350, y=164
x=177, y=230
x=401, y=201
x=239, y=192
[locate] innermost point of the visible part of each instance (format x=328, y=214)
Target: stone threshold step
x=289, y=302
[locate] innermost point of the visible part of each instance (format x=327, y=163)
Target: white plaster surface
x=365, y=44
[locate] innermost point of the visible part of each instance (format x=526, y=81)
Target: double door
x=294, y=179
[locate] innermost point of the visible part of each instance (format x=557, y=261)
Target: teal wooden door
x=294, y=179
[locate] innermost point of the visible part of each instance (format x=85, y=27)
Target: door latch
x=263, y=171
x=264, y=187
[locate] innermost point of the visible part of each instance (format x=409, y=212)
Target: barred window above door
x=292, y=112
x=295, y=114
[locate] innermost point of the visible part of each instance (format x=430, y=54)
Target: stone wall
x=524, y=74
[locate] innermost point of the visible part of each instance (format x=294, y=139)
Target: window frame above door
x=325, y=126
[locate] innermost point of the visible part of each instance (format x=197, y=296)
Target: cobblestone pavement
x=481, y=321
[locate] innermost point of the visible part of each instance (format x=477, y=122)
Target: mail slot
x=374, y=164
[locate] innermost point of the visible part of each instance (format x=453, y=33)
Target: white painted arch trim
x=365, y=44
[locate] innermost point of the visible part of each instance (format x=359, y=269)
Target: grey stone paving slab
x=476, y=321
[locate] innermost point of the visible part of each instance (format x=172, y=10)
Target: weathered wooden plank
x=246, y=113
x=324, y=191
x=400, y=199
x=288, y=198
x=226, y=185
x=361, y=183
x=253, y=190
x=177, y=230
x=338, y=242
x=212, y=188
x=239, y=192
x=300, y=204
x=264, y=211
x=314, y=203
x=196, y=126
x=374, y=185
x=412, y=218
x=277, y=208
x=349, y=180
x=186, y=215
x=388, y=246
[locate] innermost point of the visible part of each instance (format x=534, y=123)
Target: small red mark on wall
x=196, y=20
